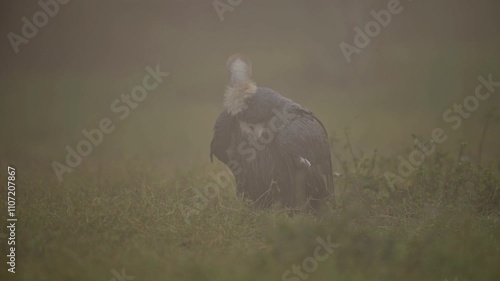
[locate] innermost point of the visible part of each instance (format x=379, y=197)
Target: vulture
x=277, y=149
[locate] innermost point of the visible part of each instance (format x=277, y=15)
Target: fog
x=65, y=78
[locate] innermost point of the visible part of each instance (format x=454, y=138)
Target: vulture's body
x=277, y=149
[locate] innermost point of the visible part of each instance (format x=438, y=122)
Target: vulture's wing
x=221, y=141
x=304, y=142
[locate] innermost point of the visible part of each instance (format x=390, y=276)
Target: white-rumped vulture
x=276, y=148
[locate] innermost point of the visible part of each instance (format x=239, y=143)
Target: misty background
x=66, y=77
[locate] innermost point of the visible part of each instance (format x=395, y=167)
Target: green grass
x=130, y=218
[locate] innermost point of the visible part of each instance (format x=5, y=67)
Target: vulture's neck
x=236, y=94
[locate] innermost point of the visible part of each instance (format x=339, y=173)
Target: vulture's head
x=240, y=85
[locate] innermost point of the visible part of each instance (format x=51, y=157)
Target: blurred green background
x=66, y=77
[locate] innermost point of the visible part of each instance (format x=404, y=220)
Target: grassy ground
x=443, y=224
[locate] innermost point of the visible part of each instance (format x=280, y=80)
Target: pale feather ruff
x=235, y=96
